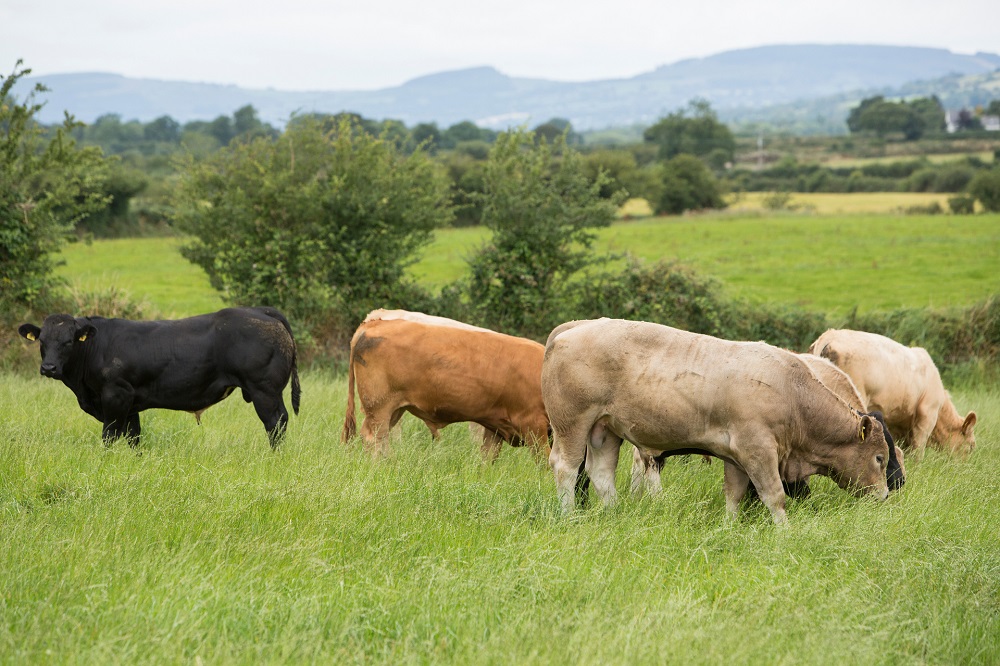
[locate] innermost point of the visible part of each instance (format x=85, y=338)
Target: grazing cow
x=118, y=368
x=442, y=374
x=646, y=469
x=757, y=407
x=904, y=384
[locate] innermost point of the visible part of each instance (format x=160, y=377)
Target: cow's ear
x=867, y=424
x=970, y=423
x=85, y=332
x=29, y=332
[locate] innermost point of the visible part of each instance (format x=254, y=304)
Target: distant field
x=851, y=162
x=826, y=262
x=824, y=203
x=149, y=269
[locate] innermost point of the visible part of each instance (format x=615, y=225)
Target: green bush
x=321, y=224
x=664, y=293
x=541, y=207
x=962, y=204
x=685, y=183
x=986, y=187
x=47, y=185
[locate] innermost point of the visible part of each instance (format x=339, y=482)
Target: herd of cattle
x=774, y=417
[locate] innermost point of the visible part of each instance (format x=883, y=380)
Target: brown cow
x=443, y=373
x=757, y=407
x=904, y=384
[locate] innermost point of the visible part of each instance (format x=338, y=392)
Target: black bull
x=118, y=368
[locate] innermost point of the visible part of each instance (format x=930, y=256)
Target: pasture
x=831, y=263
x=206, y=547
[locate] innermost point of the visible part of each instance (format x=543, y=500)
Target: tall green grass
x=206, y=547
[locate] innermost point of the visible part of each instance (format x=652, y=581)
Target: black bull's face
x=895, y=475
x=58, y=338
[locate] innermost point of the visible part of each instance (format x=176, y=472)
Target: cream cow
x=904, y=384
x=757, y=407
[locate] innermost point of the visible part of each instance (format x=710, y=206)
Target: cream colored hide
x=757, y=407
x=646, y=470
x=904, y=384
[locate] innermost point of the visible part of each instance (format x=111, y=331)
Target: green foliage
x=962, y=204
x=46, y=187
x=665, y=293
x=318, y=223
x=685, y=183
x=699, y=134
x=620, y=168
x=986, y=187
x=541, y=209
x=910, y=118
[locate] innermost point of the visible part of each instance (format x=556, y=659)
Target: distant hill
x=735, y=82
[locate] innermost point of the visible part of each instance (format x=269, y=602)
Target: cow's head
x=59, y=338
x=864, y=463
x=895, y=473
x=960, y=440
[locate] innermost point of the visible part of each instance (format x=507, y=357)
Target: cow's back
x=663, y=384
x=890, y=377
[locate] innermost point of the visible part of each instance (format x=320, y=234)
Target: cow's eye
x=880, y=459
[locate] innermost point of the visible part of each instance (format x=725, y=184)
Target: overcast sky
x=337, y=45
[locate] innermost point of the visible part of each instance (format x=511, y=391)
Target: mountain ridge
x=750, y=79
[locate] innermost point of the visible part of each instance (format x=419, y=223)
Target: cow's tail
x=296, y=387
x=350, y=423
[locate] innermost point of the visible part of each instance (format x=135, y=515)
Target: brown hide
x=445, y=374
x=904, y=384
x=759, y=408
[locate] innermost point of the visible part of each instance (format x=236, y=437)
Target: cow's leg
x=118, y=418
x=645, y=474
x=923, y=426
x=569, y=450
x=735, y=484
x=761, y=464
x=603, y=447
x=272, y=413
x=490, y=448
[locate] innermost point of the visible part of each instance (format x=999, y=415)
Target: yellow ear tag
x=82, y=337
x=31, y=336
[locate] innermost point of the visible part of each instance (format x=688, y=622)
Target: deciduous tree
x=46, y=186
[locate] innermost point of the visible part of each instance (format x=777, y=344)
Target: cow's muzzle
x=50, y=370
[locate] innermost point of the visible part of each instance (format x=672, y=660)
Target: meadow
x=827, y=262
x=205, y=546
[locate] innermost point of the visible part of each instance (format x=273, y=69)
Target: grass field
x=830, y=263
x=206, y=547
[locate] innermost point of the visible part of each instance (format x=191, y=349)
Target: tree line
x=322, y=218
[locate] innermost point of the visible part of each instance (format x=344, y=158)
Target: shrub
x=541, y=208
x=685, y=183
x=665, y=293
x=46, y=187
x=986, y=187
x=321, y=224
x=962, y=204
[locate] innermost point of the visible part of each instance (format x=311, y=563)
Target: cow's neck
x=949, y=422
x=828, y=423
